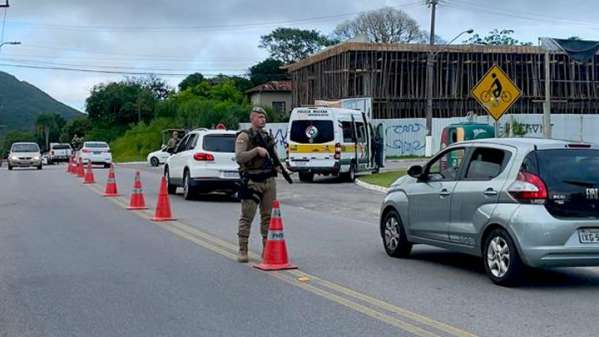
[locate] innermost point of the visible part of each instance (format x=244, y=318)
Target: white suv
x=204, y=161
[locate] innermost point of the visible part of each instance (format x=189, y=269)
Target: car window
x=219, y=143
x=95, y=145
x=61, y=147
x=182, y=144
x=191, y=143
x=312, y=131
x=361, y=132
x=25, y=148
x=348, y=132
x=485, y=164
x=447, y=166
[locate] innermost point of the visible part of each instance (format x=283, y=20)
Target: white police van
x=330, y=141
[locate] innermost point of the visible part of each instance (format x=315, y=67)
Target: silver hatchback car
x=514, y=202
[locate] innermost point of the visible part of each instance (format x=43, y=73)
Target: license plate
x=97, y=152
x=300, y=163
x=588, y=235
x=231, y=174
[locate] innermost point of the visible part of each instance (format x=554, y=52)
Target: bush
x=140, y=140
x=13, y=137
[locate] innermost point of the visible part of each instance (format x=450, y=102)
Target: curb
x=371, y=186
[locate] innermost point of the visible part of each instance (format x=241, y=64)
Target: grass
x=384, y=179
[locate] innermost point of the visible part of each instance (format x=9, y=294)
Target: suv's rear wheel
x=394, y=236
x=172, y=189
x=351, y=175
x=306, y=177
x=189, y=193
x=502, y=261
x=9, y=167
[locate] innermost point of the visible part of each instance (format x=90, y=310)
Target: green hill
x=21, y=103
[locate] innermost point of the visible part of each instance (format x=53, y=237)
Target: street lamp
x=428, y=149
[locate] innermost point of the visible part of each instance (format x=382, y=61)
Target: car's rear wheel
x=154, y=162
x=172, y=189
x=39, y=167
x=501, y=259
x=106, y=165
x=9, y=167
x=394, y=236
x=189, y=192
x=306, y=177
x=351, y=175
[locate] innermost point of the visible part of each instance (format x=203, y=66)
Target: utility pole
x=547, y=102
x=429, y=83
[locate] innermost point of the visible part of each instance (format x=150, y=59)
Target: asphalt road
x=73, y=263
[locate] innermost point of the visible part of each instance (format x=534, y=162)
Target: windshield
x=98, y=145
x=25, y=148
x=219, y=143
x=61, y=147
x=312, y=131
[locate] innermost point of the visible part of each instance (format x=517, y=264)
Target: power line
x=191, y=28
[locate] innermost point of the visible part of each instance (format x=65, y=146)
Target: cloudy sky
x=185, y=36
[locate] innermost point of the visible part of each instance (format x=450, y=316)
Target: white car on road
x=96, y=152
x=204, y=161
x=158, y=157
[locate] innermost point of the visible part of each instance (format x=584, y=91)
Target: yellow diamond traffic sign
x=496, y=92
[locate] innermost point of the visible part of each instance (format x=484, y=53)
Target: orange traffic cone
x=89, y=175
x=111, y=190
x=80, y=170
x=163, y=208
x=137, y=201
x=73, y=166
x=275, y=251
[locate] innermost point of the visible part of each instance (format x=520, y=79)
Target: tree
x=385, y=25
x=242, y=84
x=289, y=45
x=497, y=37
x=119, y=104
x=267, y=70
x=48, y=126
x=78, y=126
x=191, y=81
x=157, y=86
x=13, y=137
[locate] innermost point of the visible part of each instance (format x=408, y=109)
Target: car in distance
x=158, y=157
x=203, y=162
x=96, y=152
x=514, y=202
x=59, y=153
x=24, y=155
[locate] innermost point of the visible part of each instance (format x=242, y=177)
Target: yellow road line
x=228, y=250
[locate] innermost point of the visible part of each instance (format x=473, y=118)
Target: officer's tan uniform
x=263, y=188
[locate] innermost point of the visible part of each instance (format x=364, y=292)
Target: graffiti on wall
x=404, y=138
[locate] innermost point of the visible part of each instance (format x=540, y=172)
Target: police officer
x=258, y=179
x=76, y=142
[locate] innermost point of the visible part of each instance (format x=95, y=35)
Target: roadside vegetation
x=384, y=179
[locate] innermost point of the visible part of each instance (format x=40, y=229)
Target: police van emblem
x=311, y=132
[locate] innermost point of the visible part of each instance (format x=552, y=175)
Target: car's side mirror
x=416, y=171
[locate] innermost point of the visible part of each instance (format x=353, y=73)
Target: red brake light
x=337, y=151
x=85, y=151
x=203, y=156
x=529, y=188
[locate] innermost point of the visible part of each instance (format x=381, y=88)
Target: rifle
x=276, y=162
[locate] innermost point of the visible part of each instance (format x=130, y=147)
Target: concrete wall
x=405, y=137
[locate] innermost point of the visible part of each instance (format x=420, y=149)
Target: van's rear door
x=312, y=143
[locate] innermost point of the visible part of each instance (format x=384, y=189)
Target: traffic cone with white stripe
x=137, y=201
x=80, y=170
x=163, y=207
x=111, y=190
x=274, y=256
x=89, y=175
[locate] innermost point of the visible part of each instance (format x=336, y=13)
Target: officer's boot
x=243, y=251
x=263, y=246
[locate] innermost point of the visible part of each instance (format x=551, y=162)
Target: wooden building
x=394, y=75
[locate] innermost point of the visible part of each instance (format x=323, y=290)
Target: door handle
x=444, y=193
x=490, y=192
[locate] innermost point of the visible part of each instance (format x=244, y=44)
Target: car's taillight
x=337, y=151
x=203, y=156
x=529, y=188
x=85, y=151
